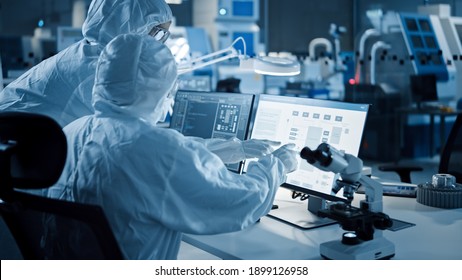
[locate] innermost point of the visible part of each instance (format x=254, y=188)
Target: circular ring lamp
x=265, y=65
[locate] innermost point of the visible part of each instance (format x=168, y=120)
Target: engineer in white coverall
x=153, y=183
x=61, y=86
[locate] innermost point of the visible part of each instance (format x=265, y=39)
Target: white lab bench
x=437, y=234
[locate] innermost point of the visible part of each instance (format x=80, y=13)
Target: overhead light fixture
x=265, y=65
x=173, y=1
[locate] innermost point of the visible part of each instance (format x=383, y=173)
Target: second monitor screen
x=310, y=122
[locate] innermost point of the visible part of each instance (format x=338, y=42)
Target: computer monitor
x=213, y=115
x=423, y=89
x=308, y=123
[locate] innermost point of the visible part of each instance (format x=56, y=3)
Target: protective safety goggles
x=159, y=33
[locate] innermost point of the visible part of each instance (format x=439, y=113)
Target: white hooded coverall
x=153, y=183
x=60, y=87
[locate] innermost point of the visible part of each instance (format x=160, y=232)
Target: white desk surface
x=436, y=235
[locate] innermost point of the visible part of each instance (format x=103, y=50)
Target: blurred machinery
x=238, y=18
x=66, y=36
x=234, y=19
x=401, y=45
x=19, y=53
x=405, y=44
x=324, y=68
x=452, y=28
x=187, y=43
x=16, y=55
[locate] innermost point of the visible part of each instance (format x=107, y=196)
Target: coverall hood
x=134, y=75
x=108, y=18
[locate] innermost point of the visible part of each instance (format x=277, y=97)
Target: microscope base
x=376, y=249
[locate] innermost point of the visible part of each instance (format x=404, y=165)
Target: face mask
x=167, y=106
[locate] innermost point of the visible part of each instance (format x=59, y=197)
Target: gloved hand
x=235, y=150
x=254, y=148
x=288, y=156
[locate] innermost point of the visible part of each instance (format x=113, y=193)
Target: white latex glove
x=234, y=150
x=229, y=151
x=288, y=156
x=254, y=148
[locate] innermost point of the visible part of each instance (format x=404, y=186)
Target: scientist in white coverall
x=153, y=183
x=61, y=86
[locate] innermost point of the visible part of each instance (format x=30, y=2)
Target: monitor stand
x=302, y=218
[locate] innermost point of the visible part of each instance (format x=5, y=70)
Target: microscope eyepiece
x=322, y=155
x=308, y=155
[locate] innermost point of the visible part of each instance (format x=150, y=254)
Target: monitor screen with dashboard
x=213, y=115
x=307, y=123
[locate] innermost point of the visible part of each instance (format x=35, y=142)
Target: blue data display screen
x=243, y=8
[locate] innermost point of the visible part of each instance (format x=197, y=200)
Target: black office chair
x=32, y=155
x=450, y=160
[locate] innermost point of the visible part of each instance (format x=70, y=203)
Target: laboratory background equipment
x=66, y=36
x=450, y=161
x=452, y=29
x=238, y=18
x=259, y=65
x=187, y=43
x=323, y=69
x=423, y=89
x=364, y=239
x=401, y=45
x=16, y=54
x=213, y=115
x=308, y=122
x=195, y=83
